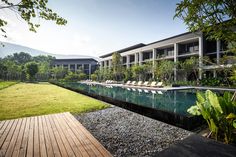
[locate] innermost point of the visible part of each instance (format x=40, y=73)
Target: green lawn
x=5, y=84
x=27, y=99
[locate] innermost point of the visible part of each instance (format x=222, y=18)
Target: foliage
x=30, y=11
x=43, y=98
x=127, y=74
x=71, y=77
x=137, y=71
x=219, y=113
x=59, y=72
x=210, y=81
x=190, y=65
x=31, y=70
x=12, y=67
x=210, y=17
x=82, y=76
x=117, y=66
x=19, y=58
x=94, y=77
x=164, y=70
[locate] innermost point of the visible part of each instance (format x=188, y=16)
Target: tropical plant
x=219, y=113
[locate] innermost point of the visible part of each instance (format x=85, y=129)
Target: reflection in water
x=172, y=101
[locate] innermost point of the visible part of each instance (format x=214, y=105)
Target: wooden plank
x=87, y=137
x=64, y=136
x=23, y=147
x=3, y=128
x=80, y=137
x=16, y=150
x=78, y=127
x=55, y=147
x=14, y=139
x=30, y=145
x=36, y=149
x=5, y=132
x=57, y=136
x=48, y=142
x=51, y=135
x=1, y=124
x=42, y=138
x=75, y=145
x=92, y=139
x=9, y=136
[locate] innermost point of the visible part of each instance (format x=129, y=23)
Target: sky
x=97, y=27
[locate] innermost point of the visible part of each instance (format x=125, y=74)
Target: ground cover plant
x=28, y=99
x=5, y=84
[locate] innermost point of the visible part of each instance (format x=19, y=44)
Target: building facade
x=87, y=65
x=176, y=48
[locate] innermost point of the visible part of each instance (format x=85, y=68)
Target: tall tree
x=215, y=18
x=117, y=65
x=29, y=10
x=31, y=70
x=164, y=70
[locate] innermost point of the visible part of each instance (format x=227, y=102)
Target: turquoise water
x=177, y=101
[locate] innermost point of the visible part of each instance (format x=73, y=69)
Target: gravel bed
x=125, y=133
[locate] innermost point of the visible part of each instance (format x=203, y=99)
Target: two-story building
x=87, y=65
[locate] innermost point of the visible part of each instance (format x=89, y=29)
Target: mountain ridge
x=10, y=48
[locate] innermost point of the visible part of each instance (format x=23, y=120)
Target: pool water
x=175, y=101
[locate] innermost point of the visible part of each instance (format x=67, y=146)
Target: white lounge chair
x=139, y=83
x=145, y=83
x=133, y=83
x=153, y=84
x=128, y=83
x=159, y=84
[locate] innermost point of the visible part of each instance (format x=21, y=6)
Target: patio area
x=48, y=135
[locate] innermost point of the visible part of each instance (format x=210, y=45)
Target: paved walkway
x=48, y=135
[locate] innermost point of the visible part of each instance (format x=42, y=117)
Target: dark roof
x=75, y=59
x=169, y=38
x=124, y=49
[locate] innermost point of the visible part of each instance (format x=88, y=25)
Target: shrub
x=72, y=77
x=219, y=113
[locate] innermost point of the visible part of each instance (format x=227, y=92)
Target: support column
x=82, y=67
x=69, y=67
x=218, y=52
x=176, y=49
x=75, y=67
x=128, y=61
x=154, y=54
x=140, y=58
x=200, y=39
x=110, y=63
x=136, y=58
x=89, y=71
x=101, y=65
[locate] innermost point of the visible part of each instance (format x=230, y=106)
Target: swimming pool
x=167, y=106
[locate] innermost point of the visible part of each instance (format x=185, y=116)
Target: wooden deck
x=48, y=135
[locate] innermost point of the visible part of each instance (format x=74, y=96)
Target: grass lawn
x=27, y=99
x=5, y=84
